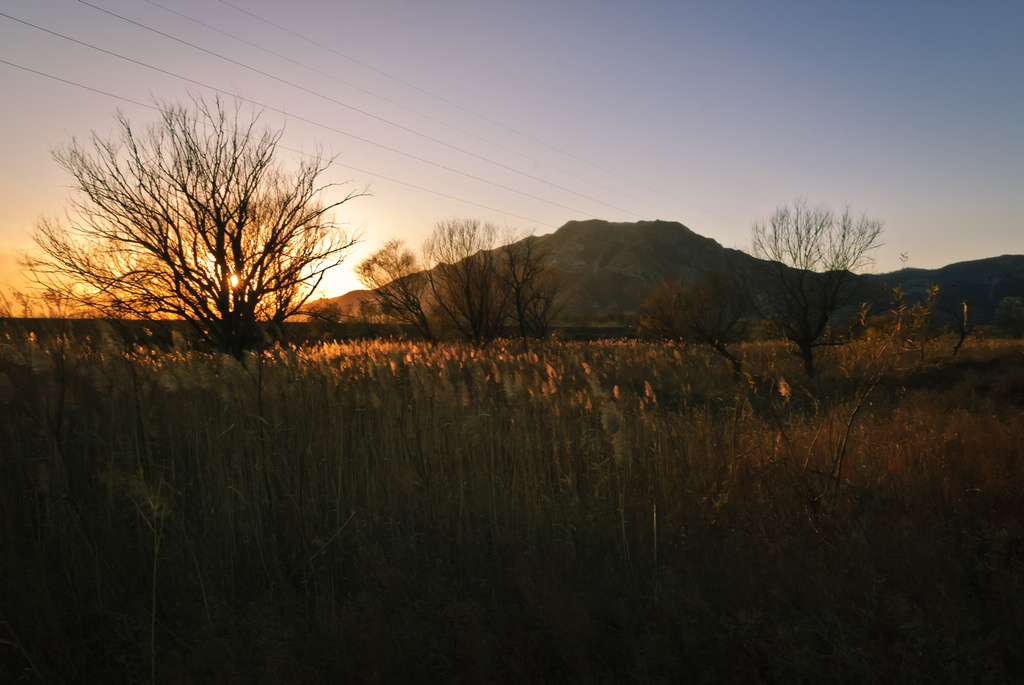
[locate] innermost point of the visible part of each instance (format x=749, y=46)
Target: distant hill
x=613, y=265
x=984, y=282
x=350, y=301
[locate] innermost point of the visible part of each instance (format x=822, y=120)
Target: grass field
x=529, y=512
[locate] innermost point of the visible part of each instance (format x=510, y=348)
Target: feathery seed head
x=649, y=392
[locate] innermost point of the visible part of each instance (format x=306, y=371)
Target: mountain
x=612, y=266
x=983, y=282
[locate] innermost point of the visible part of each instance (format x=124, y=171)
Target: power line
x=300, y=118
x=282, y=147
x=358, y=110
x=75, y=83
x=395, y=103
x=369, y=114
x=474, y=113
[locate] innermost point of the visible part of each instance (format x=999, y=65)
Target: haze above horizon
x=534, y=113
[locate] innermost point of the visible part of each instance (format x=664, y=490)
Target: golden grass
x=598, y=512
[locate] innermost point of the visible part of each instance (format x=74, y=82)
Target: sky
x=532, y=113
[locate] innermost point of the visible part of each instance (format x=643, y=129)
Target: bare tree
x=535, y=289
x=465, y=291
x=192, y=218
x=708, y=312
x=327, y=311
x=662, y=310
x=956, y=311
x=811, y=254
x=466, y=284
x=396, y=277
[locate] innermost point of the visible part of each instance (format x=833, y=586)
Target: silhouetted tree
x=708, y=312
x=536, y=289
x=465, y=291
x=467, y=283
x=327, y=311
x=192, y=218
x=810, y=254
x=399, y=284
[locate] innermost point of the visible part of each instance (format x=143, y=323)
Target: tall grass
x=603, y=512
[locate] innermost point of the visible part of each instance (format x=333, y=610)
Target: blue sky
x=532, y=114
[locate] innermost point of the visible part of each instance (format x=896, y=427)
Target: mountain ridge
x=613, y=264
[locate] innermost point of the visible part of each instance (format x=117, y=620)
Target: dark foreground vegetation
x=610, y=512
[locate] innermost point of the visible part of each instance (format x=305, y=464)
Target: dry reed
x=597, y=512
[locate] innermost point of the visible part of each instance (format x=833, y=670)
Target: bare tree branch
x=810, y=255
x=395, y=276
x=192, y=218
x=708, y=312
x=536, y=290
x=465, y=291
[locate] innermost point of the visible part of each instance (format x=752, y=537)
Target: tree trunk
x=807, y=353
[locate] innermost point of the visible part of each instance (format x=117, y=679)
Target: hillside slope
x=614, y=264
x=611, y=266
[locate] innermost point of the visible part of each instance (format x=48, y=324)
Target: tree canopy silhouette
x=708, y=311
x=398, y=282
x=810, y=254
x=472, y=281
x=192, y=217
